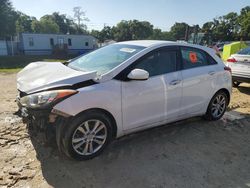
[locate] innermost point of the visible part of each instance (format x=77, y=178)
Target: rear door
x=199, y=77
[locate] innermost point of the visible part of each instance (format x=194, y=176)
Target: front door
x=156, y=99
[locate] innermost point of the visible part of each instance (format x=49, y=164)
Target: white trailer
x=43, y=44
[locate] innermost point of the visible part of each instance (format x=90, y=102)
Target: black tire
x=236, y=83
x=210, y=110
x=72, y=127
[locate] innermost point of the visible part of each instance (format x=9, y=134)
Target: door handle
x=211, y=73
x=175, y=82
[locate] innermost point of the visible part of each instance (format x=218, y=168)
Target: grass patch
x=15, y=63
x=10, y=70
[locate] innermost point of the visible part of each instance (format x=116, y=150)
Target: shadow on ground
x=192, y=153
x=244, y=89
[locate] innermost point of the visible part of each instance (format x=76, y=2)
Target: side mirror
x=138, y=74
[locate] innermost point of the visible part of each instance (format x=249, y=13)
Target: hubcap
x=89, y=137
x=218, y=106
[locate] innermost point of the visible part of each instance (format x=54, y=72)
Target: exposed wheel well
x=108, y=114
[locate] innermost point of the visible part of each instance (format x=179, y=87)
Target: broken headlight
x=46, y=98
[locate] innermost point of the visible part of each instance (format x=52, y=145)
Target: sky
x=161, y=13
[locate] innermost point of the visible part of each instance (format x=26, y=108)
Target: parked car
x=240, y=65
x=120, y=89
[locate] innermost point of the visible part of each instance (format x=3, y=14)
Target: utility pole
x=187, y=33
x=12, y=48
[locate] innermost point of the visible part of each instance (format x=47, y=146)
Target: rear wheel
x=236, y=83
x=217, y=106
x=87, y=136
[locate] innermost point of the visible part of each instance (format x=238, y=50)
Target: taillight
x=231, y=60
x=228, y=69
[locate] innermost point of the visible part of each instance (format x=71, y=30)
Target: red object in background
x=231, y=60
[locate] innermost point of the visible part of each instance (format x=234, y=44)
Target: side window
x=193, y=58
x=159, y=62
x=211, y=60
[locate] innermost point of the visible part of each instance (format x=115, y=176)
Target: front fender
x=106, y=95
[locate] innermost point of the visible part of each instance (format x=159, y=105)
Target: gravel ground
x=192, y=153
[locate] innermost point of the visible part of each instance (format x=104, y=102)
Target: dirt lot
x=192, y=153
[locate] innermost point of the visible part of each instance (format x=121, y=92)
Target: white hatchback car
x=240, y=65
x=120, y=89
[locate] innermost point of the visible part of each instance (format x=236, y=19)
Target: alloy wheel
x=89, y=137
x=218, y=105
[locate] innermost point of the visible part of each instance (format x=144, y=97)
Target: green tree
x=23, y=23
x=178, y=30
x=8, y=18
x=223, y=28
x=158, y=34
x=45, y=25
x=140, y=30
x=80, y=18
x=230, y=26
x=245, y=27
x=168, y=36
x=96, y=34
x=244, y=23
x=207, y=27
x=106, y=34
x=132, y=30
x=65, y=24
x=122, y=31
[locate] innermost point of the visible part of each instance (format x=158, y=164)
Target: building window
x=52, y=42
x=61, y=43
x=86, y=43
x=69, y=42
x=31, y=41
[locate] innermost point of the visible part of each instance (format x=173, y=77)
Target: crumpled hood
x=39, y=76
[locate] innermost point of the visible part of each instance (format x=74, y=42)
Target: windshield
x=245, y=51
x=105, y=59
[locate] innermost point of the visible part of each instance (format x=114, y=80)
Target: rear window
x=245, y=51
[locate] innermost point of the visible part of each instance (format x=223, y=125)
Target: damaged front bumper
x=38, y=117
x=44, y=121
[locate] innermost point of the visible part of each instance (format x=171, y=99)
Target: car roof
x=147, y=43
x=156, y=43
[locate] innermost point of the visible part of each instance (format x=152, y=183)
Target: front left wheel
x=87, y=135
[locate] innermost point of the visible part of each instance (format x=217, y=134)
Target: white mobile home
x=43, y=44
